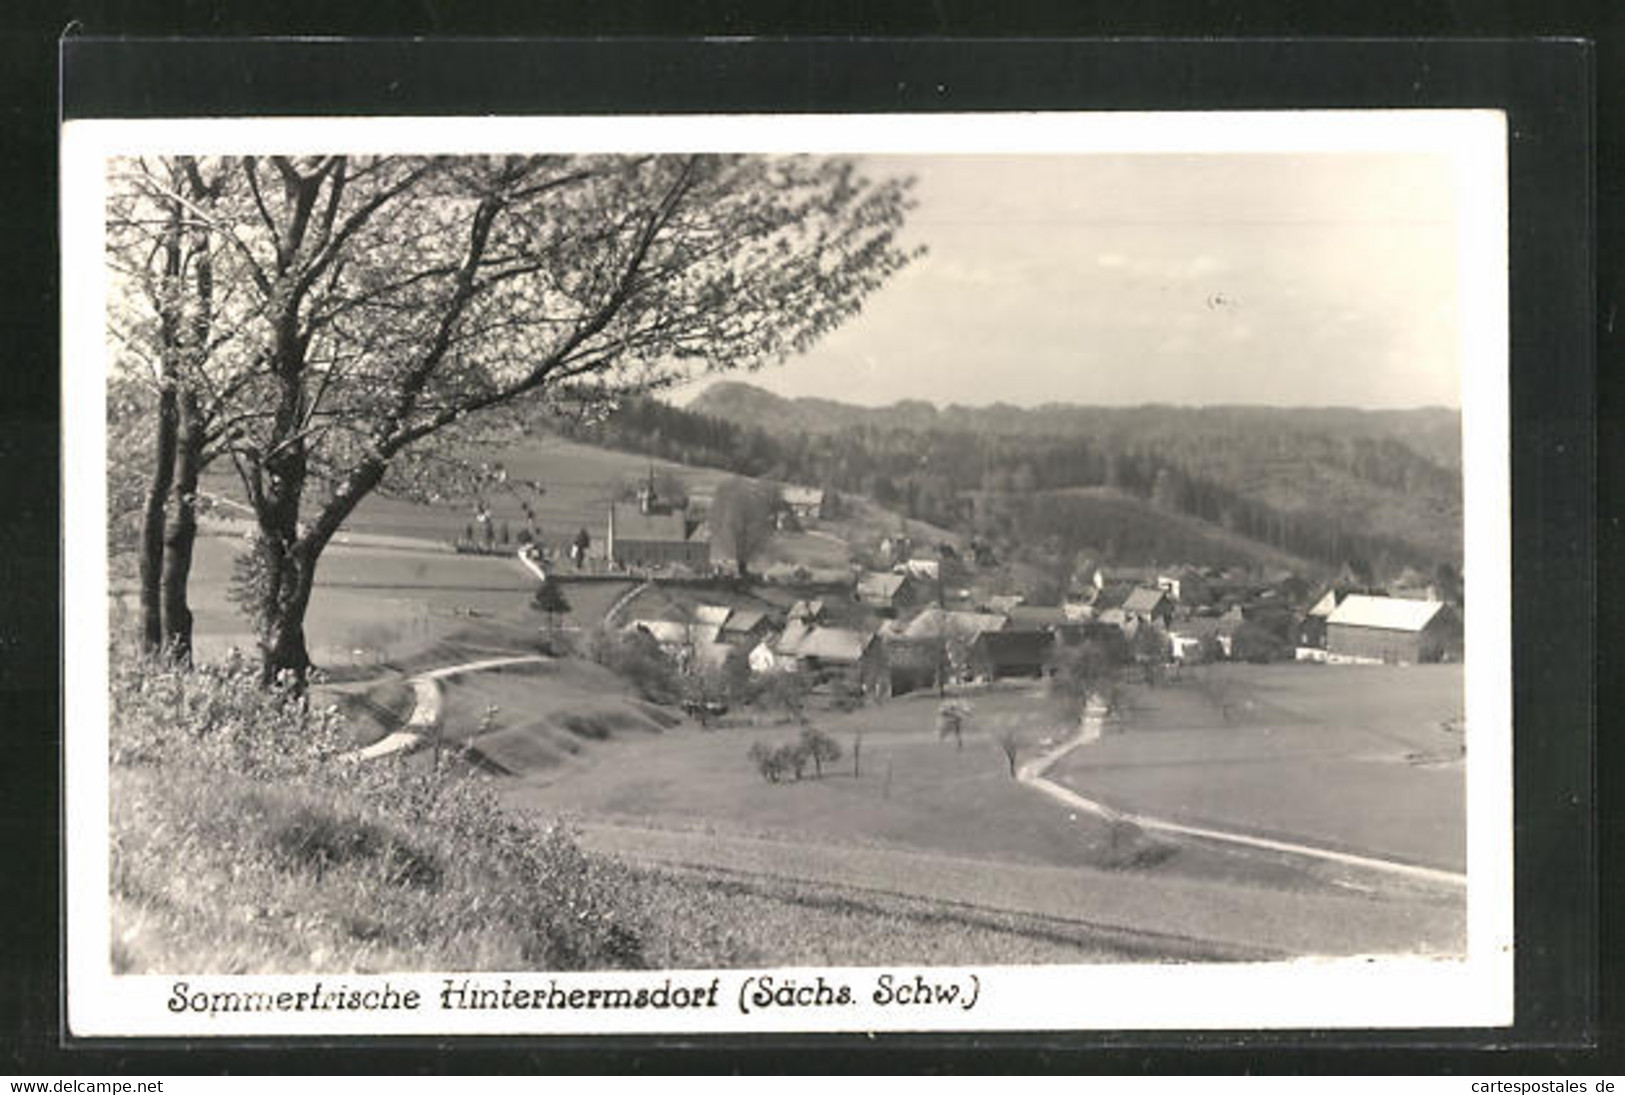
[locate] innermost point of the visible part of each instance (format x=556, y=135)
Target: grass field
x=535, y=717
x=1353, y=758
x=914, y=791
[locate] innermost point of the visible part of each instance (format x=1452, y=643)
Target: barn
x=996, y=655
x=1393, y=630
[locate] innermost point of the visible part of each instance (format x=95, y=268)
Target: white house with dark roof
x=807, y=503
x=884, y=590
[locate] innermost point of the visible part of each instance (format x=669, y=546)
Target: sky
x=1288, y=280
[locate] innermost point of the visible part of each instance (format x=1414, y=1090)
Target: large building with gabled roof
x=1395, y=630
x=650, y=533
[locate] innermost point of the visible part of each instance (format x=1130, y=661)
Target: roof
x=878, y=584
x=1387, y=613
x=712, y=614
x=631, y=523
x=1144, y=599
x=672, y=633
x=828, y=644
x=1028, y=616
x=743, y=620
x=935, y=622
x=1201, y=627
x=712, y=655
x=1326, y=605
x=1015, y=647
x=810, y=609
x=1004, y=602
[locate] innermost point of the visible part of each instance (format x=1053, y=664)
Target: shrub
x=638, y=659
x=767, y=761
x=790, y=758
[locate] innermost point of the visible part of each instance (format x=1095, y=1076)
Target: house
x=715, y=615
x=1037, y=617
x=828, y=652
x=887, y=591
x=1003, y=602
x=1111, y=595
x=1148, y=603
x=649, y=533
x=1078, y=612
x=1371, y=630
x=811, y=611
x=1186, y=585
x=996, y=655
x=746, y=627
x=807, y=503
x=1198, y=639
x=916, y=663
x=1327, y=604
x=710, y=657
x=927, y=571
x=1132, y=576
x=673, y=636
x=935, y=623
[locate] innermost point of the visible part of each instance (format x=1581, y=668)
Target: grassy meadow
x=1366, y=759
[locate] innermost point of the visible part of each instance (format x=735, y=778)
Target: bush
x=820, y=747
x=775, y=762
x=637, y=658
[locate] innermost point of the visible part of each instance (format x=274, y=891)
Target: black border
x=1547, y=88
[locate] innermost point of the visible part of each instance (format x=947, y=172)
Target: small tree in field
x=952, y=717
x=768, y=761
x=787, y=690
x=1009, y=740
x=822, y=748
x=550, y=599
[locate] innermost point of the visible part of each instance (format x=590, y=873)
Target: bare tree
x=170, y=343
x=1008, y=738
x=389, y=300
x=952, y=717
x=1079, y=673
x=742, y=520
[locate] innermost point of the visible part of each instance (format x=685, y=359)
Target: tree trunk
x=181, y=535
x=282, y=628
x=152, y=528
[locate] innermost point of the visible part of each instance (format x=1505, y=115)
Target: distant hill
x=1329, y=483
x=1434, y=433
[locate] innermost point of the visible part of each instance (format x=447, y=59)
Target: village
x=923, y=615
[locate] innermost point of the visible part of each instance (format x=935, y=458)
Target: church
x=649, y=533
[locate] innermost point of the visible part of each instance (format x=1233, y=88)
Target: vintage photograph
x=679, y=555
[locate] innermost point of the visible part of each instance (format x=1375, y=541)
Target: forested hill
x=1334, y=486
x=1433, y=433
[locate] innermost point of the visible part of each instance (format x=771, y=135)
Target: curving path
x=1033, y=773
x=427, y=706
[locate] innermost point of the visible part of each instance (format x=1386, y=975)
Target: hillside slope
x=1109, y=524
